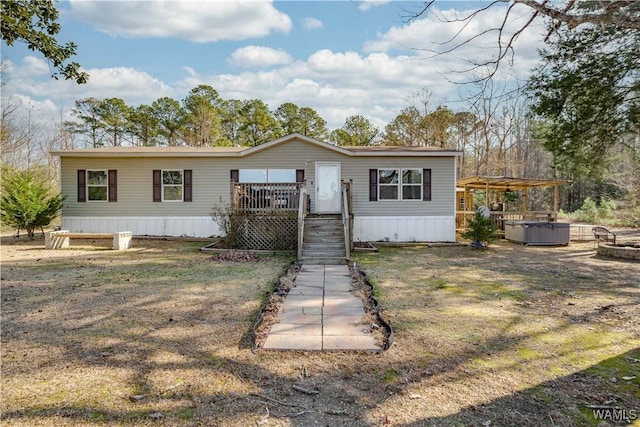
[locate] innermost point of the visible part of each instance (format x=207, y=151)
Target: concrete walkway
x=321, y=313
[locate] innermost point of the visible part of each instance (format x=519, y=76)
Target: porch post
x=466, y=207
x=556, y=195
x=486, y=194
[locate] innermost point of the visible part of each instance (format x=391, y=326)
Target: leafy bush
x=588, y=211
x=592, y=212
x=230, y=224
x=26, y=202
x=480, y=230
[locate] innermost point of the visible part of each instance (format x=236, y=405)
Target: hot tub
x=537, y=233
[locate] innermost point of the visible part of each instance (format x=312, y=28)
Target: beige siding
x=300, y=155
x=211, y=181
x=135, y=186
x=442, y=186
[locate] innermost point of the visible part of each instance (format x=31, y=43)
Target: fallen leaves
x=236, y=256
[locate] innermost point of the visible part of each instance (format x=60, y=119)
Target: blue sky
x=340, y=58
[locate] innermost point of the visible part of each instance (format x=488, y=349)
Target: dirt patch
x=514, y=335
x=365, y=290
x=273, y=301
x=236, y=256
x=364, y=247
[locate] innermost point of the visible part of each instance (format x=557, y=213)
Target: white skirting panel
x=187, y=226
x=404, y=228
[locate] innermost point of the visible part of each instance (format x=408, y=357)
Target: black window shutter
x=235, y=175
x=373, y=185
x=426, y=185
x=82, y=185
x=157, y=185
x=113, y=185
x=188, y=174
x=299, y=175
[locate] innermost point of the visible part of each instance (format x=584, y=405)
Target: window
x=281, y=175
x=266, y=175
x=399, y=184
x=97, y=185
x=172, y=185
x=253, y=175
x=388, y=184
x=411, y=184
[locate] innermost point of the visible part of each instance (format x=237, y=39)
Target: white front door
x=327, y=187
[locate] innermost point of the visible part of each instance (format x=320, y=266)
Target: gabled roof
x=248, y=151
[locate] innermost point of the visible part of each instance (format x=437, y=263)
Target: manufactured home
x=397, y=194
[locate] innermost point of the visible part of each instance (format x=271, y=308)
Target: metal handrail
x=345, y=220
x=302, y=211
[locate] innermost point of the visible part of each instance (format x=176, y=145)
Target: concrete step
x=323, y=254
x=327, y=261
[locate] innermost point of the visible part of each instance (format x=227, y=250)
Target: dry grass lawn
x=159, y=335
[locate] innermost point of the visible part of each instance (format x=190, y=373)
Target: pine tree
x=480, y=230
x=26, y=202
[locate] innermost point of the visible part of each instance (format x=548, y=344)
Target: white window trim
x=106, y=186
x=163, y=185
x=400, y=185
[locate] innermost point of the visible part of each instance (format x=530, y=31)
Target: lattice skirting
x=266, y=232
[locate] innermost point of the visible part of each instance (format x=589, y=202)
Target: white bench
x=60, y=239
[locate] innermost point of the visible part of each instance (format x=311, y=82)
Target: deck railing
x=265, y=197
x=499, y=217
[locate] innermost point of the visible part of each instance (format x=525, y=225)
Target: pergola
x=505, y=184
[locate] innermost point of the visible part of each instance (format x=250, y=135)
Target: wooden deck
x=265, y=197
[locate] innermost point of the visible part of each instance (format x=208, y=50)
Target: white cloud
x=258, y=57
x=312, y=23
x=375, y=83
x=432, y=35
x=133, y=86
x=336, y=84
x=197, y=21
x=33, y=66
x=365, y=5
x=37, y=108
x=29, y=67
x=122, y=82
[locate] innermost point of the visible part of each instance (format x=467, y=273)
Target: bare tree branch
x=622, y=13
